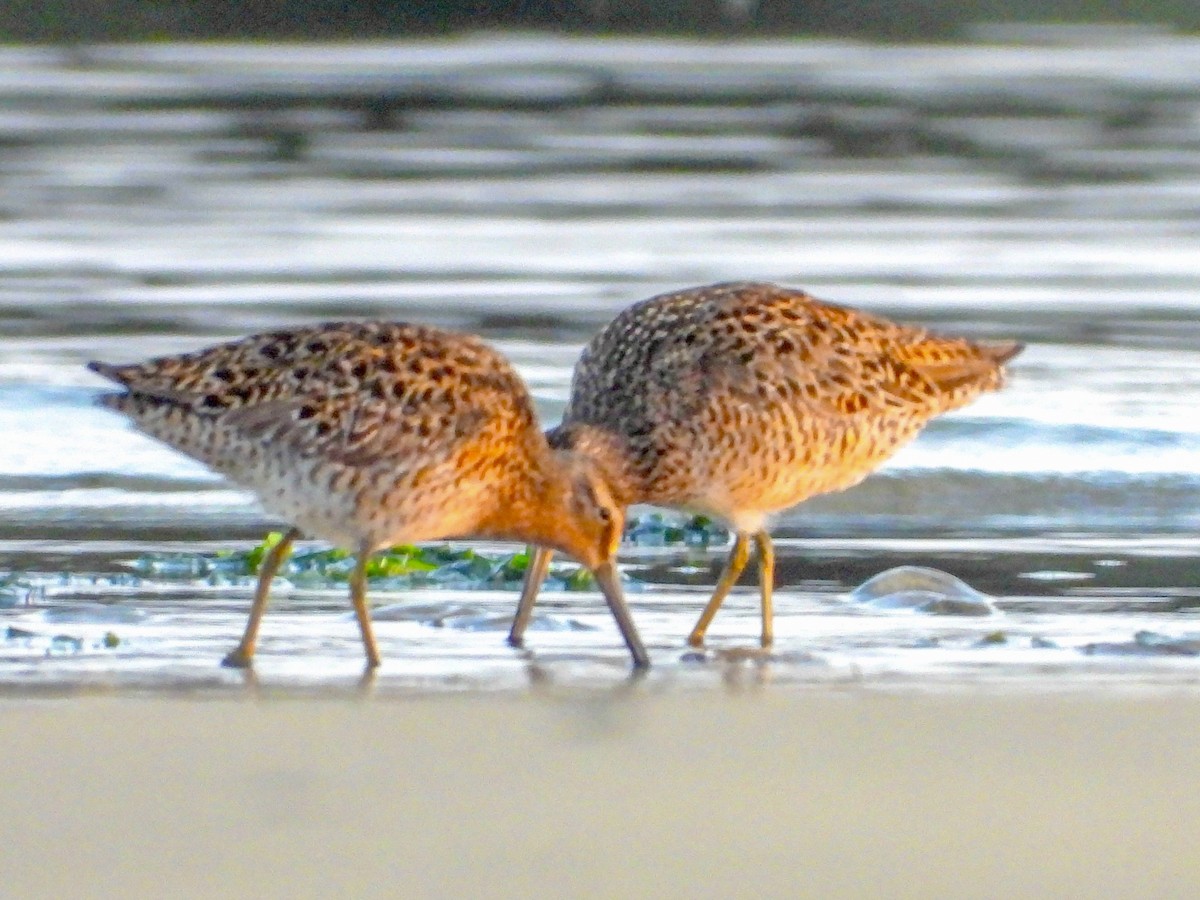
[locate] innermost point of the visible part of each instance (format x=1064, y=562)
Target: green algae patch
x=254, y=558
x=408, y=565
x=659, y=530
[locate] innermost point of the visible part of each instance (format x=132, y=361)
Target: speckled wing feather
x=766, y=344
x=342, y=429
x=349, y=392
x=744, y=397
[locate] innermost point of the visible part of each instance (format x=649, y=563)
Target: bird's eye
x=605, y=514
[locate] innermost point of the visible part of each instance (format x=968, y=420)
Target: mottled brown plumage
x=740, y=400
x=369, y=434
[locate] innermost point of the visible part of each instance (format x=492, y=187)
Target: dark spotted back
x=758, y=380
x=346, y=391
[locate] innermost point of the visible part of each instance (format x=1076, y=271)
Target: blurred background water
x=1037, y=183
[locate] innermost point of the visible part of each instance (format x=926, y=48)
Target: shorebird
x=740, y=400
x=370, y=434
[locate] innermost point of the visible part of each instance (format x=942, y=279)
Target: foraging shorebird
x=741, y=400
x=370, y=434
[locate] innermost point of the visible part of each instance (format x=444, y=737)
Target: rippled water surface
x=156, y=198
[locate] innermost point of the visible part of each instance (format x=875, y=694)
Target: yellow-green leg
x=766, y=584
x=738, y=558
x=358, y=596
x=539, y=566
x=242, y=656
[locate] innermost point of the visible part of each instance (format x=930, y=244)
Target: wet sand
x=843, y=792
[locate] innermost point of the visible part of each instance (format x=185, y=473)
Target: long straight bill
x=610, y=583
x=539, y=566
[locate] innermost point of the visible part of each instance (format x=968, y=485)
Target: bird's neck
x=532, y=508
x=608, y=452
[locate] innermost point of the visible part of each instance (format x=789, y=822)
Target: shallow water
x=159, y=197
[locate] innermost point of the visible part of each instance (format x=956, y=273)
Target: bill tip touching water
x=369, y=434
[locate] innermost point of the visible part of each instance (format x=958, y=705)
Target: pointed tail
x=1001, y=351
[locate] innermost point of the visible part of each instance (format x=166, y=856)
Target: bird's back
x=348, y=429
x=755, y=394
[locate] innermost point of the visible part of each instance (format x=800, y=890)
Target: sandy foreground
x=775, y=792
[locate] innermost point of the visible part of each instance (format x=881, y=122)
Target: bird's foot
x=240, y=657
